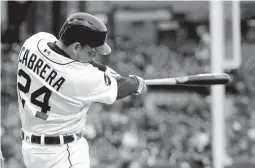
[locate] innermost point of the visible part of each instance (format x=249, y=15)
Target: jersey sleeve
x=96, y=86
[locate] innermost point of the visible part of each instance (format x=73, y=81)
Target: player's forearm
x=126, y=86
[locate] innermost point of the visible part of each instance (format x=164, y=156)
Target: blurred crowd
x=126, y=135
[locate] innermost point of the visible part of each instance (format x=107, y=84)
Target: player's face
x=84, y=54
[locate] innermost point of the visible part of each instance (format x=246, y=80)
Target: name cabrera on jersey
x=38, y=66
x=55, y=92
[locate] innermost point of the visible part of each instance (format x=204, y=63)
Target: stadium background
x=168, y=127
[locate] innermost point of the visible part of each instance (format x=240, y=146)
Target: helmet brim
x=104, y=49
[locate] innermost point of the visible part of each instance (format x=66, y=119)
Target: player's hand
x=141, y=85
x=112, y=73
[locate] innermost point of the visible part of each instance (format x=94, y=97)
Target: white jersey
x=55, y=92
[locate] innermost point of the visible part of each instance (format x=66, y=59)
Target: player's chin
x=88, y=60
x=91, y=57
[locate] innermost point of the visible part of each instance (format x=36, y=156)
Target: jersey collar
x=54, y=54
x=54, y=47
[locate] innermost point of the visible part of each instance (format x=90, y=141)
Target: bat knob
x=230, y=79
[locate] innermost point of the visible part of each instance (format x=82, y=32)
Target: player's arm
x=126, y=85
x=93, y=85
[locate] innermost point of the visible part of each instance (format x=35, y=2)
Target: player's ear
x=76, y=47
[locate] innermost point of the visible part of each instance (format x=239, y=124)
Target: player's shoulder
x=86, y=68
x=45, y=35
x=41, y=35
x=88, y=72
x=91, y=77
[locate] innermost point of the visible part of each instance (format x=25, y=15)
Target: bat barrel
x=204, y=79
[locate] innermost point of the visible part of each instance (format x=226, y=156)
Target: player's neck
x=64, y=48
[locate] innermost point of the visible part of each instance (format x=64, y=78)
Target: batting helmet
x=88, y=30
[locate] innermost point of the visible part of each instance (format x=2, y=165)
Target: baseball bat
x=196, y=80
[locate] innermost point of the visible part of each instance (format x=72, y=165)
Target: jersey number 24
x=44, y=105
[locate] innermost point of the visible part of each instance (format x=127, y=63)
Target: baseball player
x=55, y=90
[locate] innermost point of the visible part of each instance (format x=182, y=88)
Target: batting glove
x=112, y=73
x=141, y=84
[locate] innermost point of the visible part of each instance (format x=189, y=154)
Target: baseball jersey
x=54, y=91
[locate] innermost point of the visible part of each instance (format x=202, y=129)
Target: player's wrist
x=141, y=85
x=136, y=81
